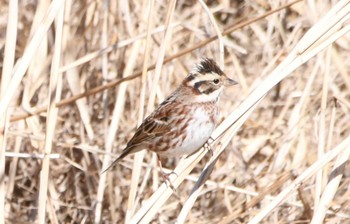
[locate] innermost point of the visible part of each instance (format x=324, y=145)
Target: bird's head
x=207, y=81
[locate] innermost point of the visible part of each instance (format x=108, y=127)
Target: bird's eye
x=216, y=81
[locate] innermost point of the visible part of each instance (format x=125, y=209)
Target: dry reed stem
x=321, y=134
x=218, y=34
x=301, y=178
x=55, y=91
x=136, y=169
x=11, y=36
x=114, y=125
x=334, y=180
x=28, y=55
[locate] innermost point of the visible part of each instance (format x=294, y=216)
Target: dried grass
x=77, y=78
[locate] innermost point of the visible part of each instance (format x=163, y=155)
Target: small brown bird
x=183, y=122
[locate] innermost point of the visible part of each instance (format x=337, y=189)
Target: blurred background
x=100, y=50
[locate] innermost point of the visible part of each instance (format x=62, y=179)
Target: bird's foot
x=165, y=176
x=207, y=146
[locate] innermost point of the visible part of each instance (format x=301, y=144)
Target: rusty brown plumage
x=184, y=121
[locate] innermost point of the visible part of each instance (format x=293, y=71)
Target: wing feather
x=156, y=124
x=151, y=128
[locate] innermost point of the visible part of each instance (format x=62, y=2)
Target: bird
x=185, y=120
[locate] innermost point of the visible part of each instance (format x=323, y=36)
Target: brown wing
x=154, y=125
x=151, y=128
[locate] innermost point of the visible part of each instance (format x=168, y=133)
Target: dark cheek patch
x=205, y=87
x=197, y=85
x=209, y=90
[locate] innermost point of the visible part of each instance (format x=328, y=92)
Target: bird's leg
x=164, y=175
x=207, y=145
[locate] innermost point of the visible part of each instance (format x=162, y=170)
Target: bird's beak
x=230, y=82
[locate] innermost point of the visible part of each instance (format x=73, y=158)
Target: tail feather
x=127, y=151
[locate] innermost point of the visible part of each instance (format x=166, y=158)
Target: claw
x=166, y=179
x=165, y=176
x=210, y=140
x=207, y=146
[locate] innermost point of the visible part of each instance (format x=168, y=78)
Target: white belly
x=197, y=133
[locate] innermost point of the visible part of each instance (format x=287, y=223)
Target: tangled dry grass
x=73, y=92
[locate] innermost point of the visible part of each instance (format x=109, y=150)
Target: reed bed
x=78, y=77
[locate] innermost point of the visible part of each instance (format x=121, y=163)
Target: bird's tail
x=127, y=151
